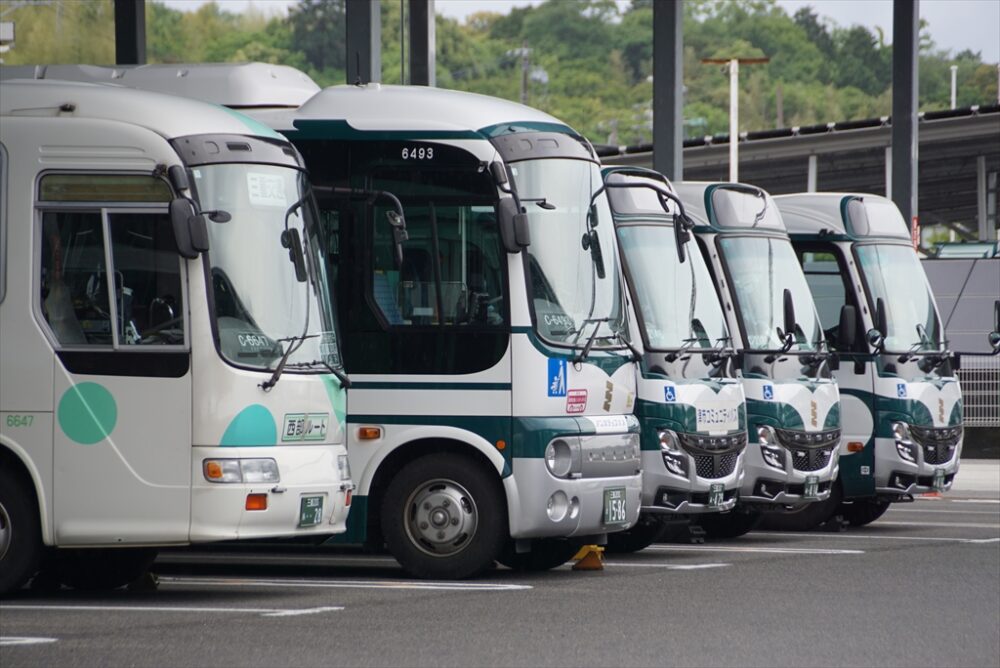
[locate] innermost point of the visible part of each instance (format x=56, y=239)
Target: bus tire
x=864, y=511
x=100, y=569
x=729, y=525
x=20, y=532
x=646, y=531
x=807, y=517
x=545, y=554
x=444, y=516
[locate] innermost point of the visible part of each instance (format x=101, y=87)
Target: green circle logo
x=87, y=413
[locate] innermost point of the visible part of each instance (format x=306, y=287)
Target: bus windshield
x=573, y=267
x=893, y=274
x=260, y=306
x=760, y=269
x=677, y=303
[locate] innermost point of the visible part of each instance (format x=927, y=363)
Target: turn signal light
x=501, y=445
x=256, y=502
x=855, y=446
x=369, y=433
x=347, y=498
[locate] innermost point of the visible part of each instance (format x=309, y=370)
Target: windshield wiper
x=590, y=341
x=345, y=382
x=724, y=353
x=678, y=354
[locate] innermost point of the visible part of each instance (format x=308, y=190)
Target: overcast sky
x=954, y=24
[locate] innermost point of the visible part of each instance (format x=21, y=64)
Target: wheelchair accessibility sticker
x=557, y=377
x=669, y=393
x=769, y=392
x=901, y=390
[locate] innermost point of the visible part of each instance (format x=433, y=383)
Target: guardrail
x=980, y=379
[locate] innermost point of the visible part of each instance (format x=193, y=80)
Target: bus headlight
x=774, y=457
x=900, y=431
x=241, y=470
x=766, y=435
x=559, y=457
x=668, y=441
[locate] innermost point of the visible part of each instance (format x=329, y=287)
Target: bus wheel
x=864, y=511
x=98, y=569
x=807, y=517
x=646, y=531
x=444, y=516
x=729, y=525
x=545, y=554
x=20, y=535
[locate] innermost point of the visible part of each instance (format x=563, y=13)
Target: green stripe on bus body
x=774, y=413
x=382, y=385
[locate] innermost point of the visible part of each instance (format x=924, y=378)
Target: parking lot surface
x=921, y=586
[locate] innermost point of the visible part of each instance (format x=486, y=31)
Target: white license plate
x=615, y=509
x=716, y=495
x=938, y=482
x=811, y=490
x=310, y=511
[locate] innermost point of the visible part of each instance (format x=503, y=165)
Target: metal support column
x=364, y=41
x=130, y=32
x=812, y=173
x=422, y=43
x=905, y=38
x=668, y=88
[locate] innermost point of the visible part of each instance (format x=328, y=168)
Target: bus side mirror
x=190, y=229
x=847, y=329
x=514, y=230
x=875, y=339
x=994, y=336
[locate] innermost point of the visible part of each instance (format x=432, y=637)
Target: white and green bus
x=902, y=404
x=169, y=364
x=490, y=415
x=793, y=405
x=690, y=402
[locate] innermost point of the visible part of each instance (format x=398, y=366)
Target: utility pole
x=954, y=76
x=524, y=71
x=733, y=65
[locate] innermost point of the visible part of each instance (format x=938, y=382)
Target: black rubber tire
x=545, y=554
x=863, y=511
x=20, y=532
x=483, y=495
x=729, y=525
x=646, y=531
x=807, y=517
x=101, y=569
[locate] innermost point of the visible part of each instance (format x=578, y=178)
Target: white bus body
x=131, y=406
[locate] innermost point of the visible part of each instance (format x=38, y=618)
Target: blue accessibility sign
x=769, y=392
x=901, y=390
x=557, y=377
x=670, y=393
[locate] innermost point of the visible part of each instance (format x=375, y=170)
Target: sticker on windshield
x=328, y=348
x=901, y=390
x=557, y=377
x=253, y=342
x=576, y=401
x=266, y=189
x=670, y=393
x=768, y=392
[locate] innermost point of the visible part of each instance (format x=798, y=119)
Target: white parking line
x=263, y=612
x=343, y=584
x=974, y=500
x=6, y=641
x=748, y=548
x=962, y=525
x=954, y=511
x=669, y=567
x=868, y=536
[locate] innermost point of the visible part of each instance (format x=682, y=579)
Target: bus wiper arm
x=345, y=382
x=294, y=343
x=590, y=341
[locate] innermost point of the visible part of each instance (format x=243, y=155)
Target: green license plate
x=614, y=506
x=939, y=480
x=310, y=511
x=716, y=495
x=811, y=490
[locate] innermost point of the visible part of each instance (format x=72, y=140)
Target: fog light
x=674, y=464
x=557, y=506
x=905, y=451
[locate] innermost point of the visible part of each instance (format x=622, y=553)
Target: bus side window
x=74, y=297
x=826, y=282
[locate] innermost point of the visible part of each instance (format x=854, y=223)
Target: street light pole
x=733, y=65
x=954, y=76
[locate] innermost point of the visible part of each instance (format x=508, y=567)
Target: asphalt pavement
x=920, y=586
